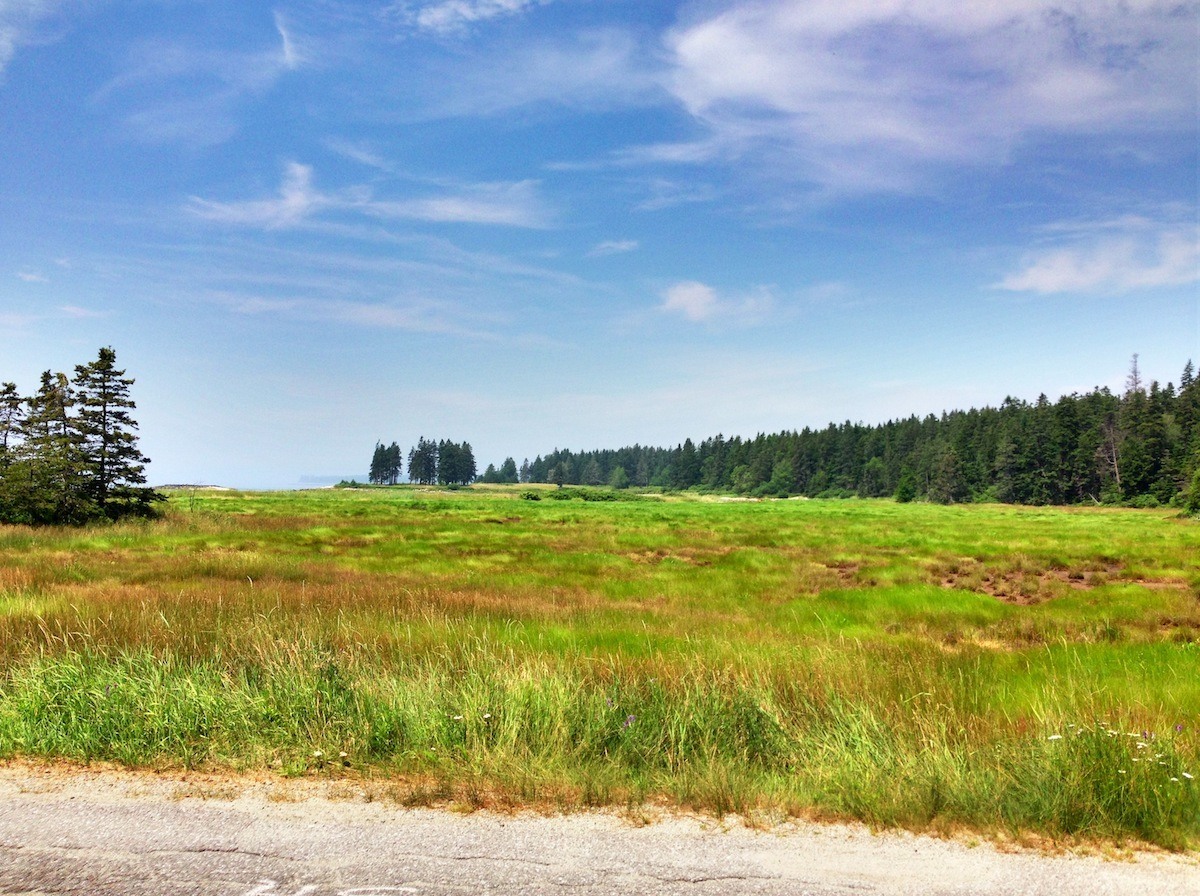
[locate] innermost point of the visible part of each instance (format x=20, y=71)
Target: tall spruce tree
x=44, y=483
x=12, y=412
x=112, y=467
x=393, y=464
x=378, y=461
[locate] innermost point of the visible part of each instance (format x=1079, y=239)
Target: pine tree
x=393, y=464
x=508, y=470
x=44, y=483
x=11, y=414
x=111, y=464
x=376, y=475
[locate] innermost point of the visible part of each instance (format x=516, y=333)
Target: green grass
x=912, y=665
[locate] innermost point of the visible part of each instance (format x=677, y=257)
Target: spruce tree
x=508, y=470
x=393, y=464
x=378, y=462
x=45, y=481
x=112, y=467
x=11, y=414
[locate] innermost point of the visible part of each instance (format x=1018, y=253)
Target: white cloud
x=456, y=16
x=176, y=92
x=596, y=68
x=699, y=302
x=413, y=315
x=512, y=204
x=866, y=94
x=1108, y=262
x=666, y=193
x=297, y=200
x=362, y=153
x=32, y=277
x=19, y=22
x=693, y=300
x=78, y=313
x=292, y=57
x=612, y=247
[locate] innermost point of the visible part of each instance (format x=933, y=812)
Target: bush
x=906, y=490
x=1191, y=502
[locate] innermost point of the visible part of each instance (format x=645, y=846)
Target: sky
x=309, y=225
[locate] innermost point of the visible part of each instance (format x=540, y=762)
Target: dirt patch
x=1026, y=585
x=690, y=556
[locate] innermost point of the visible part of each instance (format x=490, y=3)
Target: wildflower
x=629, y=720
x=1120, y=771
x=343, y=754
x=1186, y=775
x=1054, y=737
x=317, y=754
x=486, y=716
x=1176, y=780
x=458, y=718
x=1178, y=727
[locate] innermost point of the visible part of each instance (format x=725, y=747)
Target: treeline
x=69, y=452
x=1140, y=447
x=429, y=463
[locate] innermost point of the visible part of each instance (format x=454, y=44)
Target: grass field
x=1006, y=669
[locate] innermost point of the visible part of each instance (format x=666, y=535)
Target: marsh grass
x=839, y=659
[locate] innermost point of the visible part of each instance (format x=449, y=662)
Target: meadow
x=1011, y=670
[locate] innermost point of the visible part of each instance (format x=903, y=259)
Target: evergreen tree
x=467, y=470
x=45, y=481
x=508, y=470
x=393, y=464
x=111, y=464
x=377, y=474
x=12, y=412
x=591, y=473
x=423, y=462
x=619, y=479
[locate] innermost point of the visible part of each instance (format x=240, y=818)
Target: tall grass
x=842, y=659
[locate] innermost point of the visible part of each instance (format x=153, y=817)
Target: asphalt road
x=99, y=833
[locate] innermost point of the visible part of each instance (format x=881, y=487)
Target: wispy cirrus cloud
x=360, y=152
x=868, y=95
x=700, y=303
x=297, y=200
x=172, y=91
x=446, y=17
x=411, y=315
x=514, y=204
x=612, y=247
x=21, y=23
x=597, y=68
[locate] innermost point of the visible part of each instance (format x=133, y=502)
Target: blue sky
x=531, y=224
